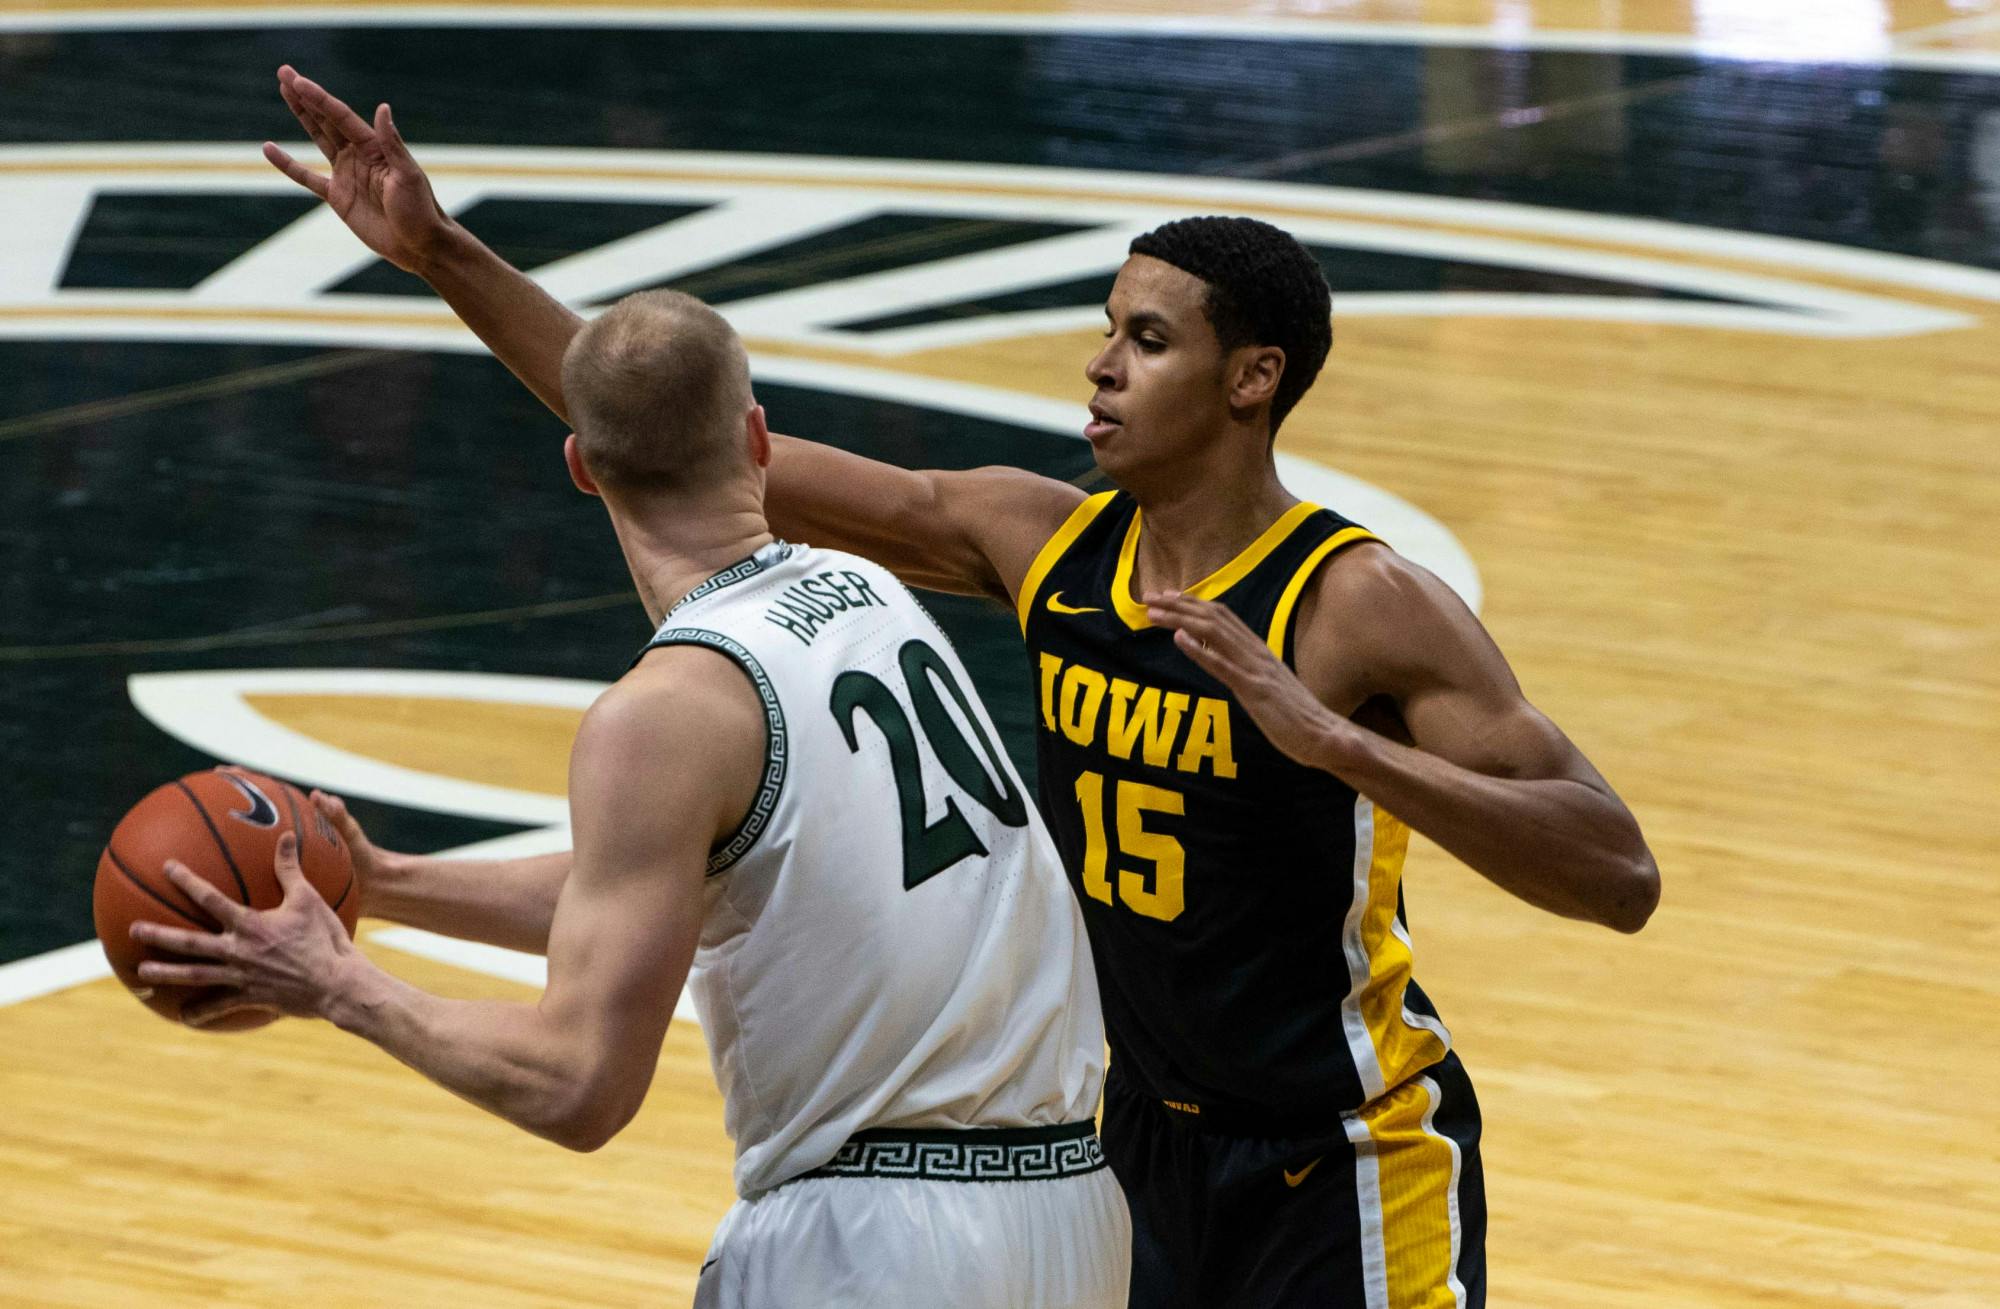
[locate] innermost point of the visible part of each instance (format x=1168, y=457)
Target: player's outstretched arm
x=574, y=1067
x=975, y=532
x=1486, y=775
x=381, y=193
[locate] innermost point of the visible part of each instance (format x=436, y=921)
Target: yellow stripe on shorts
x=1416, y=1174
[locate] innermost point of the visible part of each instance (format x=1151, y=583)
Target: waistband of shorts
x=971, y=1154
x=1212, y=1119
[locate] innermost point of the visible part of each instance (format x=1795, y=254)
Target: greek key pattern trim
x=733, y=574
x=776, y=753
x=970, y=1156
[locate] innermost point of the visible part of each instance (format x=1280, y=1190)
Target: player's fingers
x=297, y=171
x=398, y=148
x=179, y=940
x=1219, y=658
x=323, y=135
x=160, y=973
x=338, y=117
x=314, y=126
x=290, y=876
x=224, y=910
x=1219, y=620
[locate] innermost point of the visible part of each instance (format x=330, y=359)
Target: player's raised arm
x=380, y=192
x=973, y=532
x=647, y=803
x=1486, y=775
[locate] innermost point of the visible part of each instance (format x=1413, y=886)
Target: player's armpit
x=666, y=763
x=974, y=532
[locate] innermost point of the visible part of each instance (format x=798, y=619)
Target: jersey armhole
x=1279, y=638
x=1054, y=548
x=726, y=853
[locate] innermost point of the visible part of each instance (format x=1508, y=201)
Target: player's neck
x=670, y=554
x=1195, y=528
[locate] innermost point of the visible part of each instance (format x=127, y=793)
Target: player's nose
x=1100, y=372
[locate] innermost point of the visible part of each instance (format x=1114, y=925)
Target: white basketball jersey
x=889, y=939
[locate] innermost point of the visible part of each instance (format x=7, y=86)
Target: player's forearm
x=508, y=1059
x=1559, y=844
x=525, y=327
x=505, y=902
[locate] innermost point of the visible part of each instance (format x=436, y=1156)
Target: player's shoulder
x=683, y=693
x=1369, y=611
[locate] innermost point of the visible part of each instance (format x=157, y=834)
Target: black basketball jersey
x=1245, y=911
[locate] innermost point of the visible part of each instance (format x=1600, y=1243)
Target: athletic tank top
x=889, y=941
x=1245, y=911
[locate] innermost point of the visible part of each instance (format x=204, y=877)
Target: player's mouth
x=1102, y=424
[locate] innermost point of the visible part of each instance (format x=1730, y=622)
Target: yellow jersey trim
x=1212, y=586
x=1053, y=548
x=1275, y=638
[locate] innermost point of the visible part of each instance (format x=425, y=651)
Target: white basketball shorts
x=868, y=1239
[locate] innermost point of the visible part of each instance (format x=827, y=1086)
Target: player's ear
x=757, y=435
x=1255, y=378
x=577, y=472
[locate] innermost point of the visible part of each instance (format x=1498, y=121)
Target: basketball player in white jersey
x=795, y=792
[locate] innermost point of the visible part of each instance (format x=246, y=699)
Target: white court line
x=207, y=710
x=738, y=226
x=309, y=254
x=41, y=220
x=58, y=970
x=1747, y=46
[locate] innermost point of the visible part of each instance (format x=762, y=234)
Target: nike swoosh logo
x=261, y=813
x=1056, y=606
x=1293, y=1179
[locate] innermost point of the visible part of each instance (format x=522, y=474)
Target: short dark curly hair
x=1264, y=288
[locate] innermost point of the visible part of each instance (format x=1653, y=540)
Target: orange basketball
x=224, y=824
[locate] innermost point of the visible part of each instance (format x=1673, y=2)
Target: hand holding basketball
x=288, y=959
x=225, y=825
x=372, y=864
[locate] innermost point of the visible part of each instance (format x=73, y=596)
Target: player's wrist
x=352, y=995
x=386, y=884
x=1344, y=747
x=443, y=251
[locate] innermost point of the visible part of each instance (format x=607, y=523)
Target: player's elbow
x=593, y=1108
x=585, y=1127
x=1635, y=894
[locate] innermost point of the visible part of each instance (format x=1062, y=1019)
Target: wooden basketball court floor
x=1690, y=356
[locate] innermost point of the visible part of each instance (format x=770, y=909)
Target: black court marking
x=172, y=908
x=135, y=240
x=875, y=244
x=530, y=234
x=220, y=844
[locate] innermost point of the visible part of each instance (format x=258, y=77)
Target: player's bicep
x=973, y=532
x=1417, y=644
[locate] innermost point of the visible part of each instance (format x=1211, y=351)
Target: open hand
x=1290, y=715
x=376, y=186
x=291, y=959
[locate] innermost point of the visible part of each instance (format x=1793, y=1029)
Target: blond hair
x=657, y=389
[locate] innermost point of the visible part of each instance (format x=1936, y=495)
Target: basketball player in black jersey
x=1245, y=705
